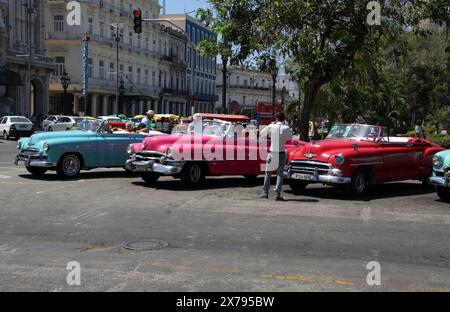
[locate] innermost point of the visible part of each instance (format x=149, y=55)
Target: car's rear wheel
x=36, y=171
x=69, y=166
x=50, y=129
x=192, y=175
x=297, y=186
x=150, y=177
x=360, y=182
x=5, y=135
x=444, y=193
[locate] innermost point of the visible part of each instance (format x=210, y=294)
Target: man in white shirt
x=279, y=133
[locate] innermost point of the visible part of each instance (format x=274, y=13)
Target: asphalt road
x=221, y=237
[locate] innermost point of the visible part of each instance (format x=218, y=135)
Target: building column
x=76, y=104
x=115, y=106
x=105, y=105
x=94, y=100
x=141, y=107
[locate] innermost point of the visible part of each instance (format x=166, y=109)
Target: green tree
x=320, y=37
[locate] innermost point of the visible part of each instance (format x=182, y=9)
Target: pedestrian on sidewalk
x=280, y=134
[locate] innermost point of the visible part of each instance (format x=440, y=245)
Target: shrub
x=442, y=140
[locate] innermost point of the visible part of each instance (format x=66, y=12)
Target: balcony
x=175, y=92
x=206, y=97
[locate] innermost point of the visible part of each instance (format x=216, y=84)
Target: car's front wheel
x=192, y=175
x=69, y=166
x=36, y=171
x=360, y=183
x=150, y=178
x=297, y=186
x=444, y=193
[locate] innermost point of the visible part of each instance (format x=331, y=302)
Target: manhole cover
x=152, y=244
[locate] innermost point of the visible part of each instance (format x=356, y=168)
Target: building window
x=60, y=66
x=130, y=74
x=58, y=23
x=139, y=76
x=153, y=78
x=90, y=68
x=102, y=29
x=146, y=77
x=101, y=69
x=91, y=25
x=111, y=71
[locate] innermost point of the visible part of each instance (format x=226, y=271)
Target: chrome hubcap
x=195, y=174
x=71, y=165
x=360, y=183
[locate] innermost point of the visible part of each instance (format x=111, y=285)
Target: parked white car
x=60, y=123
x=15, y=127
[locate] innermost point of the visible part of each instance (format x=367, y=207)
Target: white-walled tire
x=69, y=166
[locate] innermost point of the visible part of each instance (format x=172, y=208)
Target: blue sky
x=179, y=6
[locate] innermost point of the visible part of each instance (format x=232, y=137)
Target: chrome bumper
x=36, y=160
x=326, y=179
x=440, y=181
x=153, y=166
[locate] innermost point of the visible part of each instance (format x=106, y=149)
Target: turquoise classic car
x=441, y=174
x=92, y=145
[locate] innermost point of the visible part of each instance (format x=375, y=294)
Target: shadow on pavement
x=381, y=191
x=52, y=176
x=208, y=184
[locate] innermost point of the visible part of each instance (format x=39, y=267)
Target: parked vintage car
x=357, y=156
x=223, y=149
x=60, y=123
x=15, y=126
x=441, y=174
x=93, y=145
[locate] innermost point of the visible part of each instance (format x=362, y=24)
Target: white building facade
x=245, y=89
x=23, y=80
x=151, y=67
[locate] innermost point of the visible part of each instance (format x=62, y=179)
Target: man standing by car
x=147, y=122
x=279, y=133
x=418, y=129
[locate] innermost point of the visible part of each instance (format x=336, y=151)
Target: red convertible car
x=223, y=148
x=360, y=155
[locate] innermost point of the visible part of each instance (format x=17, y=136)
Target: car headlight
x=169, y=153
x=339, y=159
x=130, y=149
x=336, y=173
x=45, y=146
x=438, y=161
x=19, y=145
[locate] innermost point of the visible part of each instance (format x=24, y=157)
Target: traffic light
x=137, y=21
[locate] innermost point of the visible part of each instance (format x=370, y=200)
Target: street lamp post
x=65, y=82
x=122, y=93
x=274, y=70
x=117, y=39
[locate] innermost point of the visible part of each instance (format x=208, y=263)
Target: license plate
x=303, y=176
x=23, y=126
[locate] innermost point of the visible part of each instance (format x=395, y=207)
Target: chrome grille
x=29, y=152
x=310, y=167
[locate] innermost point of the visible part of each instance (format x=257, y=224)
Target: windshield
x=362, y=132
x=88, y=125
x=208, y=127
x=20, y=119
